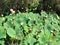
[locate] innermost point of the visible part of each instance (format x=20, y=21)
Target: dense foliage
x=30, y=29
x=29, y=5
x=22, y=5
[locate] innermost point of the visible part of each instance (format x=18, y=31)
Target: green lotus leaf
x=11, y=32
x=2, y=32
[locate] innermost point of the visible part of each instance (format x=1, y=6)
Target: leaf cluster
x=30, y=29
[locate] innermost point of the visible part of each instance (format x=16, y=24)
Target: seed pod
x=29, y=30
x=5, y=28
x=13, y=18
x=21, y=23
x=53, y=33
x=39, y=31
x=29, y=18
x=34, y=20
x=38, y=17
